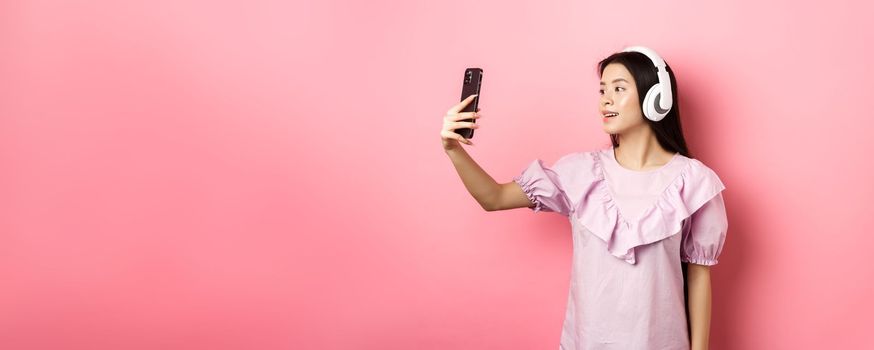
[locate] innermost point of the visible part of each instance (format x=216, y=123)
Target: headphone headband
x=659, y=99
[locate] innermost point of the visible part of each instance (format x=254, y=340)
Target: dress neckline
x=611, y=154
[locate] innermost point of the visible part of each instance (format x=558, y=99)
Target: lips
x=609, y=114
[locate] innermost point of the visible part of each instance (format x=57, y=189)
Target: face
x=619, y=95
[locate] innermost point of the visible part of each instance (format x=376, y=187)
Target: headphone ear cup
x=649, y=103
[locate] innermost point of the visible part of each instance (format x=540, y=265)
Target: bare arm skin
x=488, y=193
x=699, y=305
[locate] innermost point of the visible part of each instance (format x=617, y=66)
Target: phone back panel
x=473, y=78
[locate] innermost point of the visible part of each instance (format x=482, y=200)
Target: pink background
x=266, y=175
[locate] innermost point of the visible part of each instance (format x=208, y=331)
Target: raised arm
x=488, y=193
x=485, y=190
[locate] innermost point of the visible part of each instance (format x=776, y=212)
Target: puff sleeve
x=704, y=233
x=545, y=186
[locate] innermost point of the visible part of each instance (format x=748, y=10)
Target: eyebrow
x=615, y=80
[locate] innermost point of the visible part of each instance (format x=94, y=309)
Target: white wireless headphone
x=659, y=99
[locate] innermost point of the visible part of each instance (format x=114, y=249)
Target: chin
x=610, y=130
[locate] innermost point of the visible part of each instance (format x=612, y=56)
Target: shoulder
x=700, y=172
x=579, y=168
x=700, y=166
x=577, y=160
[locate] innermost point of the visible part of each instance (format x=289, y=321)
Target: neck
x=639, y=149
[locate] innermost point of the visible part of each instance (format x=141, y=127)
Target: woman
x=648, y=220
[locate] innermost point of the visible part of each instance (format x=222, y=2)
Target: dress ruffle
x=598, y=212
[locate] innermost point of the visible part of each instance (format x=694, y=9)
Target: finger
x=463, y=140
x=460, y=125
x=463, y=115
x=454, y=136
x=475, y=116
x=461, y=104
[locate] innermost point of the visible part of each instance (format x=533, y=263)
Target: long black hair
x=668, y=131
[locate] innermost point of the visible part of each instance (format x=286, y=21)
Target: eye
x=619, y=87
x=601, y=92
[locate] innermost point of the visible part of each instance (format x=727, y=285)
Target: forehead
x=615, y=71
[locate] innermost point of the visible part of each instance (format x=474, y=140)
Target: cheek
x=626, y=102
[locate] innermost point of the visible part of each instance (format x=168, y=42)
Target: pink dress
x=631, y=231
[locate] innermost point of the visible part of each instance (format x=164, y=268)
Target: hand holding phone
x=451, y=122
